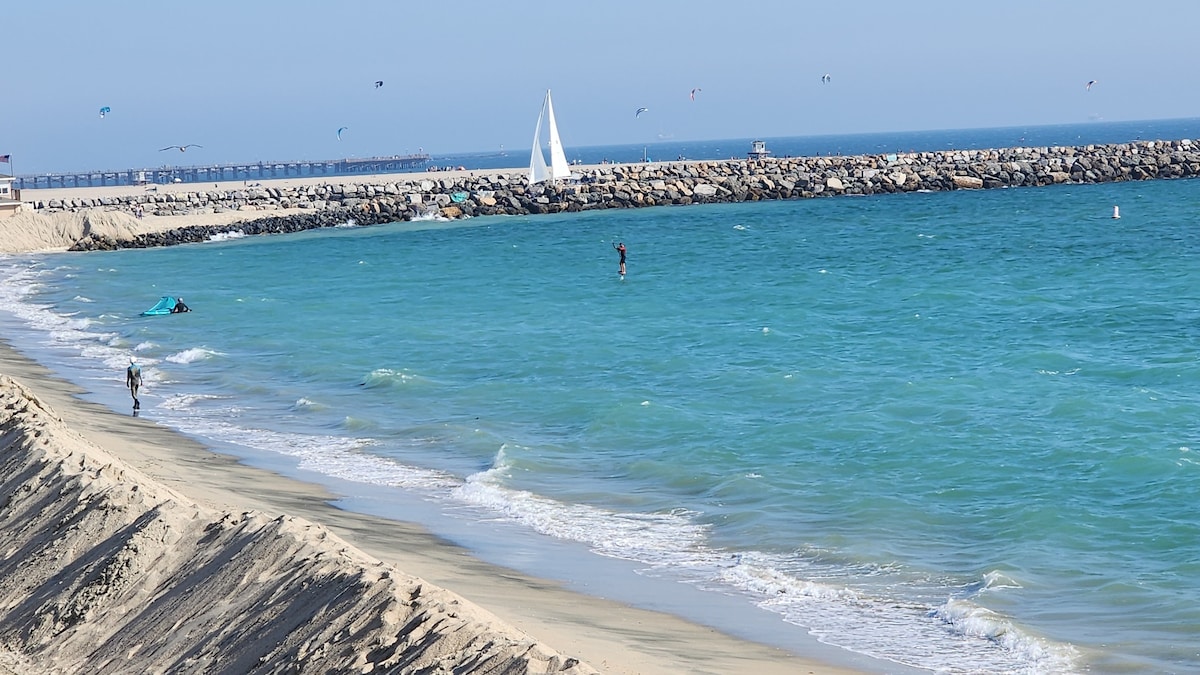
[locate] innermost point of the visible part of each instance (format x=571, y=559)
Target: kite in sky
x=825, y=78
x=694, y=92
x=378, y=83
x=1088, y=86
x=340, y=130
x=639, y=112
x=104, y=111
x=181, y=148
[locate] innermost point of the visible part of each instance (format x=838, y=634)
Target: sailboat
x=558, y=169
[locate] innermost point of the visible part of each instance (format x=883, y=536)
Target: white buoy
x=1116, y=211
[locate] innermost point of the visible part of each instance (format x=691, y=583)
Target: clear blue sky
x=274, y=79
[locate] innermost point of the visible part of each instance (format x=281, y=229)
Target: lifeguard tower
x=758, y=150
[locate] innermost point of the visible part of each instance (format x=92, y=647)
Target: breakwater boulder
x=638, y=185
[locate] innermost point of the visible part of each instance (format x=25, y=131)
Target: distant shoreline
x=182, y=213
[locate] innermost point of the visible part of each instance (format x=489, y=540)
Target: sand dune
x=106, y=571
x=30, y=231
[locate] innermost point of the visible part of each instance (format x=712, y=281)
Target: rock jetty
x=486, y=193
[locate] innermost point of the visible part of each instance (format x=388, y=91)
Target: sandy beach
x=37, y=231
x=509, y=621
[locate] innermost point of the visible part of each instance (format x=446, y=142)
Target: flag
x=6, y=159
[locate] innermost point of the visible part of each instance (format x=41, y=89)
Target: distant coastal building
x=10, y=199
x=758, y=150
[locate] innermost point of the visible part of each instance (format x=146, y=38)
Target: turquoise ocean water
x=954, y=432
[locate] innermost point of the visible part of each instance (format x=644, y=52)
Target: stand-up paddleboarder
x=620, y=246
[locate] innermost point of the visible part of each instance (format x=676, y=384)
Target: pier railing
x=224, y=172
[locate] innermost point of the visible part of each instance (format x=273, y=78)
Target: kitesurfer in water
x=179, y=307
x=133, y=380
x=620, y=246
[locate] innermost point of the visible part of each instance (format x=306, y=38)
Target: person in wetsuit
x=179, y=307
x=133, y=380
x=620, y=246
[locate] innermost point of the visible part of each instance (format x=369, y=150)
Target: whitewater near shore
x=129, y=548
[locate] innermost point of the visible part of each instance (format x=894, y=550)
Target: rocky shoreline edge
x=638, y=185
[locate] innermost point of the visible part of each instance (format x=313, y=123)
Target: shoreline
x=607, y=635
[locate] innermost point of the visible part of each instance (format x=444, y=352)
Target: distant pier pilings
x=224, y=172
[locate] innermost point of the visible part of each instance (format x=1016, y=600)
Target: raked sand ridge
x=108, y=571
x=129, y=548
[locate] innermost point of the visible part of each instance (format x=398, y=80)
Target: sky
x=273, y=80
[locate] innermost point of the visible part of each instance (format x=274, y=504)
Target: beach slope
x=104, y=570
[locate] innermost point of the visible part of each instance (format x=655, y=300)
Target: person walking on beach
x=620, y=246
x=133, y=380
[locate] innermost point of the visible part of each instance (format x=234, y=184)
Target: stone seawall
x=653, y=184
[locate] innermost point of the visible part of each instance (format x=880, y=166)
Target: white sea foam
x=908, y=632
x=80, y=298
x=303, y=403
x=1031, y=654
x=1043, y=371
x=192, y=355
x=660, y=537
x=386, y=377
x=187, y=401
x=433, y=215
x=996, y=580
x=227, y=236
x=21, y=281
x=334, y=456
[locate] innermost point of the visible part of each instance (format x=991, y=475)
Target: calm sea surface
x=955, y=432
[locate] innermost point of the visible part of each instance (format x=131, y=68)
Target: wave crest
x=192, y=355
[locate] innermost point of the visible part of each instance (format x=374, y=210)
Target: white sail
x=537, y=161
x=558, y=159
x=558, y=169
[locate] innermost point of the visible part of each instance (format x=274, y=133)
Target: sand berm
x=106, y=571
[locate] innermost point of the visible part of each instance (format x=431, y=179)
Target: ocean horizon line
x=671, y=149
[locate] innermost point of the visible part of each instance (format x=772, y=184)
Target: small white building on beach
x=10, y=199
